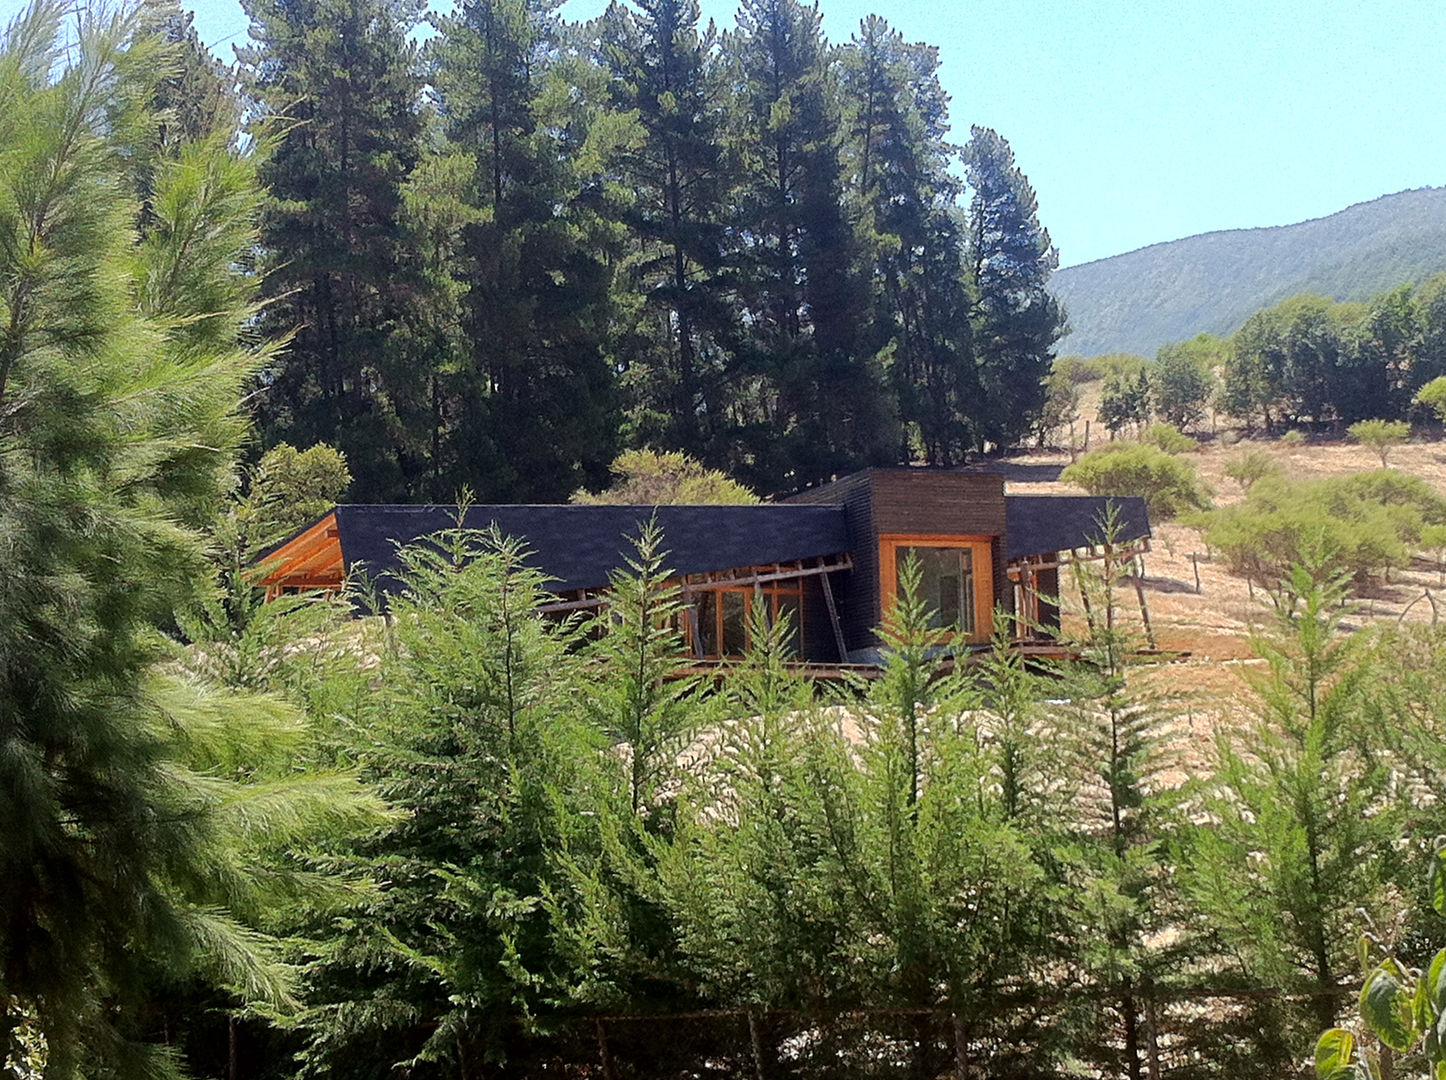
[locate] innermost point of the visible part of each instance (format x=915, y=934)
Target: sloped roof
x=579, y=546
x=1043, y=524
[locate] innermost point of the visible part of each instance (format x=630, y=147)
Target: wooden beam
x=828, y=601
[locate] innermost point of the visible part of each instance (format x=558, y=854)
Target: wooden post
x=604, y=1054
x=961, y=1049
x=1195, y=565
x=1145, y=613
x=838, y=634
x=756, y=1039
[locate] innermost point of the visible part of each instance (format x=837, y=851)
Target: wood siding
x=884, y=501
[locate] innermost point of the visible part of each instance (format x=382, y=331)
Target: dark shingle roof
x=578, y=546
x=1042, y=524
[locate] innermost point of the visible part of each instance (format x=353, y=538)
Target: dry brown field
x=1211, y=625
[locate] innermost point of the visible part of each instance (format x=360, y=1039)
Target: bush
x=1433, y=396
x=1169, y=484
x=1248, y=466
x=1293, y=437
x=1168, y=438
x=1361, y=524
x=1382, y=436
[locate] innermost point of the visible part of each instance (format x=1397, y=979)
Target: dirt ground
x=1198, y=608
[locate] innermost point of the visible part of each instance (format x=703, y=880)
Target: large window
x=721, y=616
x=955, y=579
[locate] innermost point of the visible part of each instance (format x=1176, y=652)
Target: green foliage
x=1125, y=403
x=1251, y=465
x=648, y=478
x=1168, y=484
x=1361, y=524
x=1380, y=435
x=158, y=828
x=1304, y=813
x=1123, y=366
x=1182, y=379
x=1168, y=437
x=1061, y=402
x=1433, y=396
x=1293, y=438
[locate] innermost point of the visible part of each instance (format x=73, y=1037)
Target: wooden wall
x=883, y=501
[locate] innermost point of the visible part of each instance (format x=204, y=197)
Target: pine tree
x=819, y=406
x=896, y=128
x=138, y=802
x=475, y=738
x=338, y=82
x=1305, y=809
x=537, y=391
x=1016, y=321
x=680, y=176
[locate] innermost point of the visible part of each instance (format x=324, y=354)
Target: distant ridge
x=1213, y=282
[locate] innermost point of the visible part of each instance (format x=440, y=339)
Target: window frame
x=981, y=549
x=769, y=592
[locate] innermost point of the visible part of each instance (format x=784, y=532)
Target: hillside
x=1212, y=282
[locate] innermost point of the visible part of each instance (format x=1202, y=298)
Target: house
x=829, y=555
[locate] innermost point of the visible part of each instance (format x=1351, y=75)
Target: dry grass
x=1213, y=625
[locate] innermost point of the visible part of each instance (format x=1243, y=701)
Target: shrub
x=1168, y=438
x=1169, y=484
x=1293, y=437
x=1361, y=525
x=650, y=478
x=1380, y=435
x=1248, y=466
x=1433, y=396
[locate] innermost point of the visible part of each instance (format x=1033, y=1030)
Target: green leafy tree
x=1433, y=396
x=1169, y=484
x=1016, y=321
x=648, y=478
x=1182, y=379
x=1125, y=402
x=1382, y=436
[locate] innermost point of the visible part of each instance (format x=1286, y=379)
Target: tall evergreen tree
x=1016, y=321
x=679, y=177
x=897, y=123
x=135, y=812
x=528, y=108
x=819, y=405
x=342, y=77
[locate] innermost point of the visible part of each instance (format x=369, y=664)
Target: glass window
x=946, y=584
x=707, y=601
x=735, y=622
x=790, y=607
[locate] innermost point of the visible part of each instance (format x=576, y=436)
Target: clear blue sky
x=1146, y=120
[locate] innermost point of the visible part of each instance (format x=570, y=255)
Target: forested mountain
x=508, y=253
x=1212, y=283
